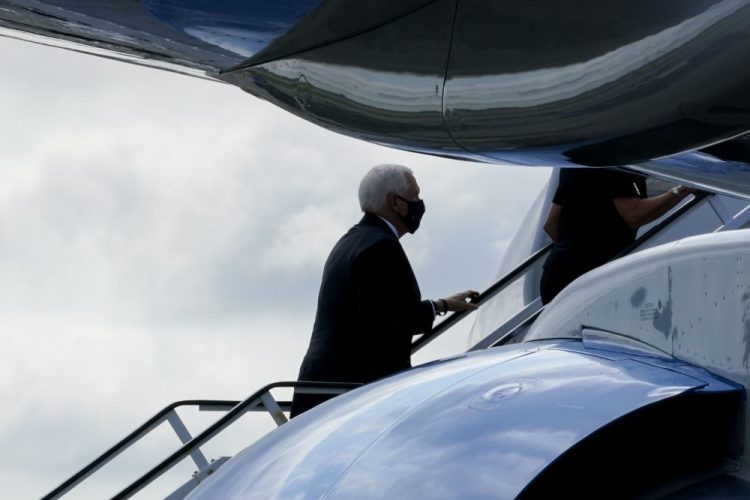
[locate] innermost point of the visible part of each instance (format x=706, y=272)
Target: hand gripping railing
x=261, y=400
x=534, y=309
x=480, y=299
x=698, y=197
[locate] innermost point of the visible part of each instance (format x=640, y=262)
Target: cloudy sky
x=162, y=238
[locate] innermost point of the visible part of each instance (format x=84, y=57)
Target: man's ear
x=391, y=201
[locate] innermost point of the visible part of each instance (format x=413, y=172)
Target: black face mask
x=413, y=214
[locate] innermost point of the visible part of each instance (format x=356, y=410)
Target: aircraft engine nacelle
x=590, y=83
x=549, y=419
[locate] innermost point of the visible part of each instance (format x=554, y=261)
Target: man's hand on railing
x=458, y=302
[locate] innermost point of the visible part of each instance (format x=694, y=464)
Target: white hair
x=379, y=182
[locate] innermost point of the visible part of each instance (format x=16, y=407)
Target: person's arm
x=639, y=211
x=386, y=302
x=552, y=224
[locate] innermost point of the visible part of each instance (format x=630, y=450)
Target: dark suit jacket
x=369, y=307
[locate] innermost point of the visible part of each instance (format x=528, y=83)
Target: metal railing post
x=124, y=444
x=254, y=400
x=273, y=409
x=179, y=428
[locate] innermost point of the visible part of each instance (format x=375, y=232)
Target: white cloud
x=305, y=238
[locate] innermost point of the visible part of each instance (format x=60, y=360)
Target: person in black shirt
x=595, y=214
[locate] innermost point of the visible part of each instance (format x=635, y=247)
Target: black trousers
x=559, y=273
x=303, y=402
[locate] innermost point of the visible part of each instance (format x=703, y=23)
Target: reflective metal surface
x=336, y=20
x=689, y=299
x=702, y=170
x=533, y=83
x=196, y=34
x=241, y=27
x=384, y=86
x=597, y=83
x=479, y=426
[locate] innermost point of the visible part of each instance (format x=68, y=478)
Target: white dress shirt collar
x=393, y=228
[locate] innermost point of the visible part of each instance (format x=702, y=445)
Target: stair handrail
x=653, y=231
x=223, y=422
x=482, y=298
x=205, y=404
x=150, y=424
x=698, y=196
x=524, y=266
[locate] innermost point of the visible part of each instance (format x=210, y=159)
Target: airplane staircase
x=513, y=328
x=262, y=400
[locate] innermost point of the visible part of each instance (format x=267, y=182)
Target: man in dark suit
x=369, y=304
